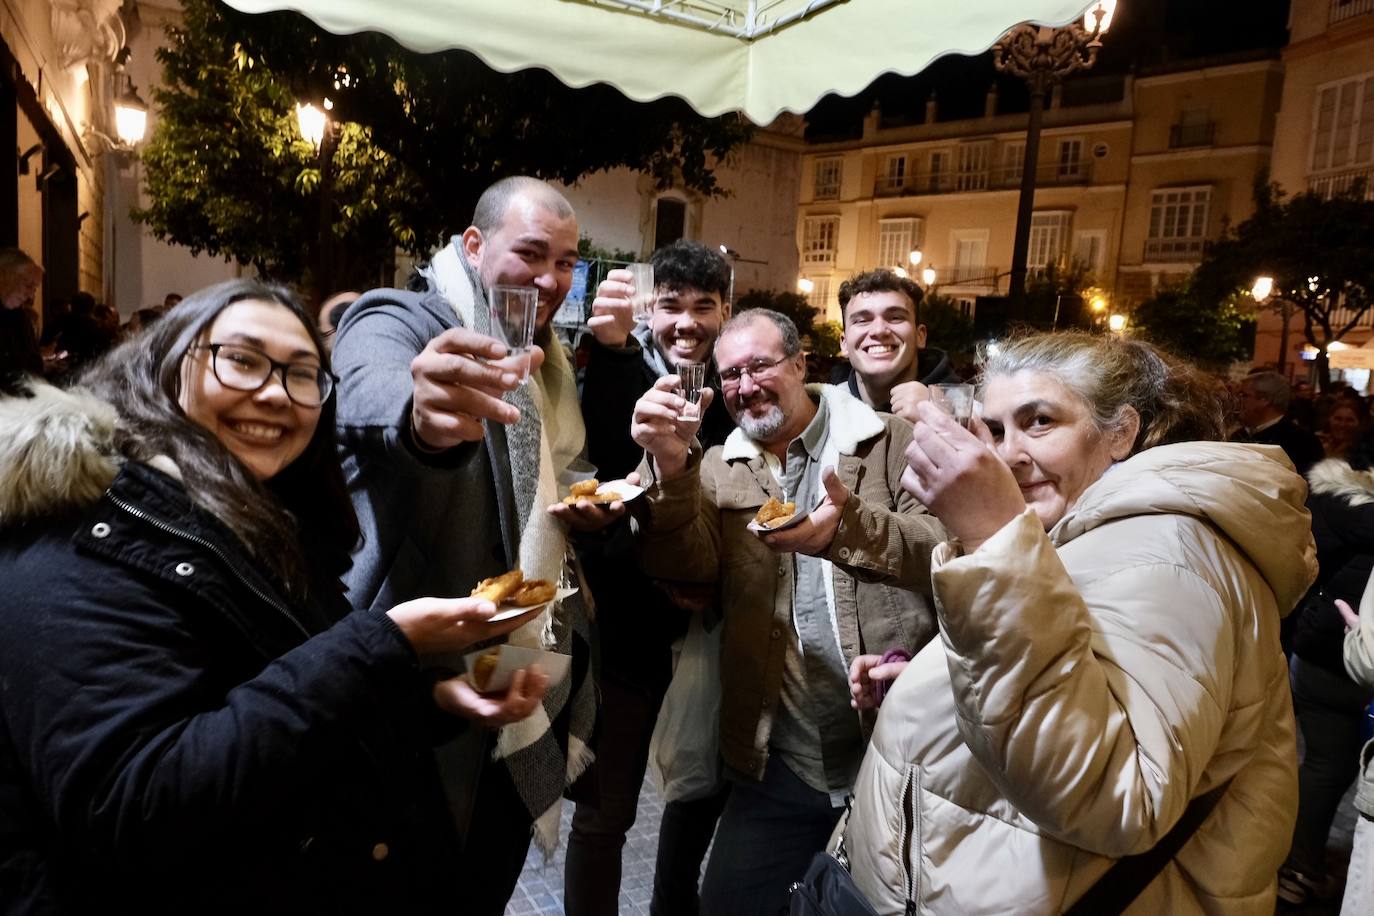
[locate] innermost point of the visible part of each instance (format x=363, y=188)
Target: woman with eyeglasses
x=191, y=718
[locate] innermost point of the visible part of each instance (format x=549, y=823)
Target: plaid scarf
x=548, y=750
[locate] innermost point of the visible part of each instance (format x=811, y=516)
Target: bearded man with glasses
x=851, y=577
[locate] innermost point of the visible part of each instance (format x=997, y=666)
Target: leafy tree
x=1319, y=252
x=414, y=139
x=793, y=305
x=947, y=327
x=1208, y=332
x=825, y=339
x=1047, y=290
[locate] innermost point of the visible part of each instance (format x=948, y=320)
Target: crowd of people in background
x=1030, y=660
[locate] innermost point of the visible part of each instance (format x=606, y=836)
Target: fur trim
x=56, y=451
x=1335, y=477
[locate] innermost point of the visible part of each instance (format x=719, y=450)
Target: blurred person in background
x=19, y=280
x=1341, y=427
x=1329, y=704
x=1262, y=409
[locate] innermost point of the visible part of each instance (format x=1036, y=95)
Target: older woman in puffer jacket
x=1359, y=664
x=1109, y=611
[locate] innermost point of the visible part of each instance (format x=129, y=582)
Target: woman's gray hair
x=1175, y=401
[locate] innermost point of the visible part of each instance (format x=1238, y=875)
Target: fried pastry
x=774, y=513
x=483, y=668
x=498, y=588
x=532, y=592
x=585, y=487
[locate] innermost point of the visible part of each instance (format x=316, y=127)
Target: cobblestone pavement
x=540, y=890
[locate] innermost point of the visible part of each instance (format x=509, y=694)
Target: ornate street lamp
x=131, y=115
x=1043, y=56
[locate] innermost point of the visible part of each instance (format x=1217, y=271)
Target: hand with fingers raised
x=458, y=381
x=657, y=428
x=957, y=475
x=612, y=310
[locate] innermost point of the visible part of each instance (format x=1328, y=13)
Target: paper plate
x=792, y=522
x=506, y=613
x=512, y=659
x=623, y=490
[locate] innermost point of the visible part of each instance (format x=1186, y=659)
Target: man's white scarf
x=543, y=542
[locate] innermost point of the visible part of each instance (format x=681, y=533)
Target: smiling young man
x=885, y=343
x=637, y=621
x=799, y=604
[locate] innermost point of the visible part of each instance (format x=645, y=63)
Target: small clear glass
x=642, y=299
x=513, y=312
x=690, y=379
x=955, y=400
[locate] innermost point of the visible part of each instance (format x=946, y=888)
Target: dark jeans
x=683, y=838
x=767, y=835
x=1330, y=712
x=591, y=879
x=498, y=841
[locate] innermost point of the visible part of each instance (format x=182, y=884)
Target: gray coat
x=431, y=524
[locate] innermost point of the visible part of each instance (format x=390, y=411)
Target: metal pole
x=1026, y=206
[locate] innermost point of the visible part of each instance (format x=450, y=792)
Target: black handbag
x=828, y=890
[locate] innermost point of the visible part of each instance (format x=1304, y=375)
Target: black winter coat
x=176, y=738
x=636, y=622
x=1341, y=500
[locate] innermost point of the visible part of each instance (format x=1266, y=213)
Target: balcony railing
x=1328, y=186
x=1174, y=251
x=818, y=258
x=1185, y=135
x=1346, y=9
x=991, y=179
x=980, y=275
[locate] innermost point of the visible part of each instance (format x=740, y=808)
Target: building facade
x=1135, y=173
x=1325, y=130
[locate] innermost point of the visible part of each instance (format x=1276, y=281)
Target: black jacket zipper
x=213, y=548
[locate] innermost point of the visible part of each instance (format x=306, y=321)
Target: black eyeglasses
x=756, y=369
x=248, y=369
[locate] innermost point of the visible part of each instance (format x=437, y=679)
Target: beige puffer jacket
x=1087, y=684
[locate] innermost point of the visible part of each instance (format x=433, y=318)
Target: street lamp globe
x=1262, y=288
x=1116, y=323
x=806, y=285
x=915, y=257
x=928, y=275
x=1098, y=18
x=131, y=116
x=901, y=272
x=312, y=122
x=1099, y=304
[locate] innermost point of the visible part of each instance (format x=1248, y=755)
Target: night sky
x=1144, y=33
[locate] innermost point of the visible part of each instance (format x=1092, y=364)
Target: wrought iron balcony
x=1174, y=250
x=1186, y=135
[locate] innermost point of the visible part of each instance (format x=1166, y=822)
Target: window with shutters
x=894, y=174
x=896, y=238
x=1343, y=125
x=973, y=166
x=1178, y=224
x=828, y=174
x=1070, y=158
x=1049, y=233
x=818, y=239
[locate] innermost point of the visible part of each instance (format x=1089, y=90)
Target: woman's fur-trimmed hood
x=57, y=451
x=1335, y=477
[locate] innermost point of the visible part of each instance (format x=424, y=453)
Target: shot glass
x=642, y=300
x=955, y=400
x=690, y=378
x=513, y=311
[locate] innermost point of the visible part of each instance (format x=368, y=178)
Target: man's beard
x=764, y=428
